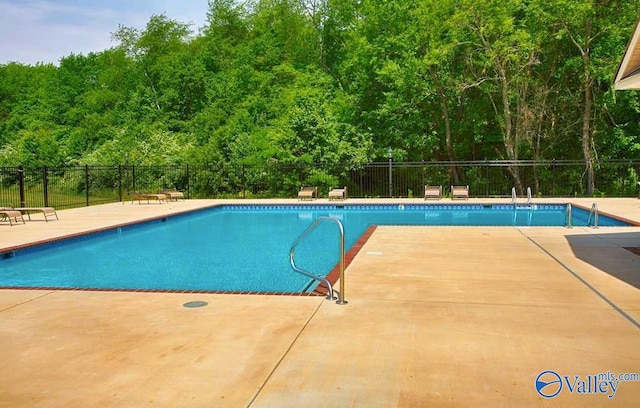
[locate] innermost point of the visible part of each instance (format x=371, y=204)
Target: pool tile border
x=334, y=275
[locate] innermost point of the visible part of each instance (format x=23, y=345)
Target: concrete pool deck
x=437, y=316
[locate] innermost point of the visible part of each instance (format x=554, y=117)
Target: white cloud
x=33, y=31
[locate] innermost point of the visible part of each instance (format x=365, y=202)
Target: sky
x=33, y=31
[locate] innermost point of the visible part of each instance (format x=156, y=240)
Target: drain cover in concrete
x=195, y=303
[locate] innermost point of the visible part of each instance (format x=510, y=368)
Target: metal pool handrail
x=594, y=212
x=569, y=215
x=529, y=198
x=514, y=196
x=330, y=295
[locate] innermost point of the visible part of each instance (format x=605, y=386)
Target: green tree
x=502, y=51
x=596, y=32
x=150, y=49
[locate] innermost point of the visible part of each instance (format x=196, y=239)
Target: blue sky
x=33, y=31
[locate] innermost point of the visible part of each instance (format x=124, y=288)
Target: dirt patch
x=635, y=250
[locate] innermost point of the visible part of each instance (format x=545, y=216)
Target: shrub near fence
x=67, y=187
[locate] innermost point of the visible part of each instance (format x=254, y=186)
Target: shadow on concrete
x=608, y=252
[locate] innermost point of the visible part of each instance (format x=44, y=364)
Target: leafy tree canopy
x=313, y=81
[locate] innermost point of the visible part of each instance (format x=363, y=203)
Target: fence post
x=86, y=182
x=553, y=177
x=244, y=182
x=45, y=186
x=119, y=182
x=188, y=182
x=23, y=201
x=390, y=155
x=486, y=177
x=133, y=178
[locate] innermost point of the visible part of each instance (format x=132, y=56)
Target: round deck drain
x=195, y=303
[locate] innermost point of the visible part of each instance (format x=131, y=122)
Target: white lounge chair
x=173, y=194
x=148, y=197
x=338, y=194
x=434, y=192
x=308, y=193
x=45, y=211
x=6, y=214
x=460, y=192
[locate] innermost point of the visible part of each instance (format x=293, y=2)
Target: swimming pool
x=240, y=248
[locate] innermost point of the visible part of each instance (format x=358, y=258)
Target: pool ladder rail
x=593, y=212
x=514, y=196
x=330, y=294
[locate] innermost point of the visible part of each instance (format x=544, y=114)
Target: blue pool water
x=240, y=248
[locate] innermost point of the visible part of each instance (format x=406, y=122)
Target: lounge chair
x=308, y=193
x=338, y=194
x=46, y=212
x=7, y=214
x=432, y=192
x=148, y=197
x=173, y=194
x=461, y=192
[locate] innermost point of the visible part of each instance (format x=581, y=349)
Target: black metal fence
x=67, y=187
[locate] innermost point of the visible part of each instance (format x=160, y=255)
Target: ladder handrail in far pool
x=514, y=196
x=592, y=212
x=306, y=232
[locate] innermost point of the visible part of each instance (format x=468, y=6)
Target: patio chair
x=6, y=214
x=45, y=211
x=432, y=192
x=148, y=197
x=460, y=192
x=338, y=194
x=308, y=193
x=173, y=194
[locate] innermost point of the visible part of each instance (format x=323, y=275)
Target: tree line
x=297, y=82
